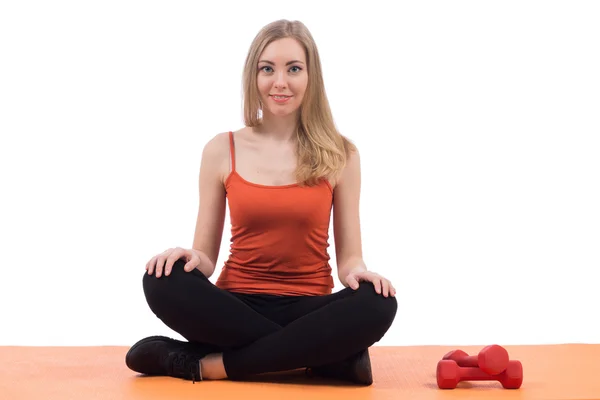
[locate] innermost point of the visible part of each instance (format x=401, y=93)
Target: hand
x=165, y=260
x=381, y=284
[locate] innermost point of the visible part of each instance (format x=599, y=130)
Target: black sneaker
x=355, y=369
x=163, y=356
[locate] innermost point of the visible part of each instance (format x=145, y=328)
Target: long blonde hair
x=322, y=150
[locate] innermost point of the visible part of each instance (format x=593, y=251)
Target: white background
x=478, y=124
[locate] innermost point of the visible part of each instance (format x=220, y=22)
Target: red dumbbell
x=492, y=359
x=449, y=374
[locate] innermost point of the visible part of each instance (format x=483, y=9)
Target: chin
x=281, y=113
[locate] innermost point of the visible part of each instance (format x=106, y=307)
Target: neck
x=279, y=129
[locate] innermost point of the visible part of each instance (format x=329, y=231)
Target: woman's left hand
x=381, y=284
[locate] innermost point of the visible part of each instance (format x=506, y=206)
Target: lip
x=287, y=98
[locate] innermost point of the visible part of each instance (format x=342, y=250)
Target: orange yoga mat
x=570, y=371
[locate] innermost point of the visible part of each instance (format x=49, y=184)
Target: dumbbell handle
x=467, y=362
x=475, y=374
x=492, y=359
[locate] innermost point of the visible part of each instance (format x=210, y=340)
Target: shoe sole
x=363, y=370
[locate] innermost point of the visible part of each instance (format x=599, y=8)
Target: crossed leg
x=323, y=329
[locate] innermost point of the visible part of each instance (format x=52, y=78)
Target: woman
x=272, y=308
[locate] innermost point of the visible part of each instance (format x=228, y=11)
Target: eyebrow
x=288, y=63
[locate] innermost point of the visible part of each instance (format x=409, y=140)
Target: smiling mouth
x=281, y=99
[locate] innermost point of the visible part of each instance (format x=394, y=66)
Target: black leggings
x=266, y=333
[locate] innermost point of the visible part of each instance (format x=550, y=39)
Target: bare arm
x=212, y=202
x=346, y=219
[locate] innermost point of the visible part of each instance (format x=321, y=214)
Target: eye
x=295, y=66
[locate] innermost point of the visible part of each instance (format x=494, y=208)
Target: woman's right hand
x=164, y=261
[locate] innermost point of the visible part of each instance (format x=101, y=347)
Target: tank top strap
x=232, y=151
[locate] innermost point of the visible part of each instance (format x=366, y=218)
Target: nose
x=280, y=80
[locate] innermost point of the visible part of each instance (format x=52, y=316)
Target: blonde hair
x=322, y=150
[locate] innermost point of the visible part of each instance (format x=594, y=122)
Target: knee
x=380, y=310
x=156, y=289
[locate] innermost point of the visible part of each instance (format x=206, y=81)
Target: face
x=282, y=70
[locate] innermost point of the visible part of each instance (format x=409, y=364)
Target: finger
x=175, y=255
x=192, y=264
x=377, y=284
x=150, y=265
x=385, y=287
x=160, y=264
x=352, y=282
x=392, y=290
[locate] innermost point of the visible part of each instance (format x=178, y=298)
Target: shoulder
x=215, y=154
x=217, y=146
x=351, y=170
x=353, y=159
x=220, y=143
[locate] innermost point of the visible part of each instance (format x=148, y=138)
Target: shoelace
x=186, y=365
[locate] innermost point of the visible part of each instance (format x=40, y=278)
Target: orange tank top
x=279, y=237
